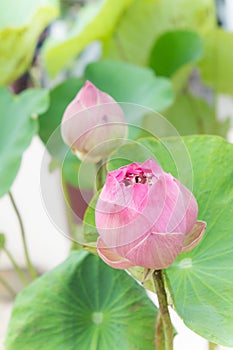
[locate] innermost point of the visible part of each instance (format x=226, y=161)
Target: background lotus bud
x=145, y=217
x=93, y=124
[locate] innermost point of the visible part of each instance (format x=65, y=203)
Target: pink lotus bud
x=93, y=124
x=145, y=217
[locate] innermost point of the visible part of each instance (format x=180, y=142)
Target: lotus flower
x=93, y=124
x=145, y=217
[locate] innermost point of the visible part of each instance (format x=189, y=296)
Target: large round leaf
x=82, y=304
x=21, y=23
x=185, y=46
x=17, y=127
x=191, y=115
x=216, y=65
x=201, y=280
x=95, y=21
x=129, y=83
x=144, y=21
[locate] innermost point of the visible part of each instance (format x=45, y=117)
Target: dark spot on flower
x=138, y=177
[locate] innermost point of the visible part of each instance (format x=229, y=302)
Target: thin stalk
x=100, y=174
x=69, y=216
x=212, y=346
x=7, y=286
x=164, y=313
x=159, y=336
x=16, y=267
x=31, y=268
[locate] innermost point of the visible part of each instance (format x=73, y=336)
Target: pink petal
x=89, y=95
x=105, y=98
x=150, y=165
x=168, y=217
x=93, y=123
x=119, y=174
x=156, y=250
x=74, y=107
x=111, y=258
x=153, y=166
x=109, y=192
x=131, y=215
x=180, y=208
x=121, y=228
x=194, y=236
x=188, y=202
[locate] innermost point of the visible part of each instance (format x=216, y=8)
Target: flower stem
x=17, y=268
x=159, y=336
x=212, y=346
x=167, y=328
x=67, y=202
x=7, y=286
x=31, y=269
x=100, y=174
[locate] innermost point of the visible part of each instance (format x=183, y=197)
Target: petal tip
x=194, y=236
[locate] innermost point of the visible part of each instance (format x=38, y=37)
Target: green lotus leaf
x=132, y=84
x=192, y=115
x=82, y=304
x=144, y=21
x=186, y=47
x=216, y=65
x=21, y=23
x=18, y=124
x=95, y=21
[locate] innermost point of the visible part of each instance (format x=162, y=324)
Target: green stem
x=100, y=174
x=69, y=216
x=7, y=286
x=159, y=336
x=31, y=269
x=17, y=268
x=212, y=346
x=164, y=313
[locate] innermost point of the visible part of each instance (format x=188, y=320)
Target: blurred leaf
x=185, y=46
x=82, y=304
x=70, y=168
x=132, y=84
x=200, y=280
x=2, y=240
x=76, y=172
x=192, y=115
x=216, y=65
x=95, y=21
x=144, y=21
x=21, y=23
x=17, y=129
x=180, y=79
